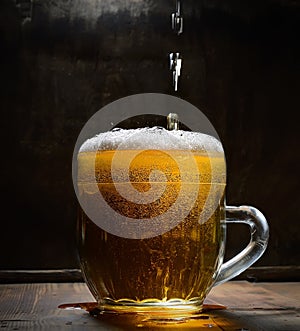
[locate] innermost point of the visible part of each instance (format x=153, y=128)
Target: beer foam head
x=152, y=138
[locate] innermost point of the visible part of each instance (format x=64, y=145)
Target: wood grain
x=250, y=306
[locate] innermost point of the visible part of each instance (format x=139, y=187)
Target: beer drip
x=172, y=121
x=175, y=66
x=177, y=19
x=175, y=62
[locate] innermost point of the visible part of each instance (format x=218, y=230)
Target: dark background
x=62, y=60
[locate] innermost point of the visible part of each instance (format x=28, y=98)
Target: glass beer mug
x=153, y=217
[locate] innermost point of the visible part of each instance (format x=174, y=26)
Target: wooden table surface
x=250, y=306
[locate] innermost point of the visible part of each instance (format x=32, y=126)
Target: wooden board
x=250, y=306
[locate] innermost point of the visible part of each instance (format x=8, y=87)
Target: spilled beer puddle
x=144, y=320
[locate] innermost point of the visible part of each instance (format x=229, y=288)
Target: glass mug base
x=153, y=308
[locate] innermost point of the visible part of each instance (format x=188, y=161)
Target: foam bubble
x=152, y=138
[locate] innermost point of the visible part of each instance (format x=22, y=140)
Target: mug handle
x=259, y=230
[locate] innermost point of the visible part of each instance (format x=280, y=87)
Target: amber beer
x=177, y=266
